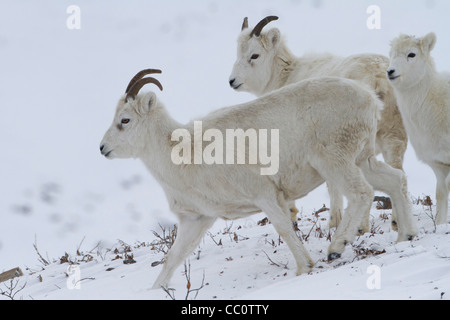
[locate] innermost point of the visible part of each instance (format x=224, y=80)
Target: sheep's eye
x=125, y=121
x=254, y=56
x=411, y=55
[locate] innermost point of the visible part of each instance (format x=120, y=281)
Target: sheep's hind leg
x=276, y=212
x=336, y=206
x=442, y=173
x=352, y=184
x=190, y=232
x=393, y=182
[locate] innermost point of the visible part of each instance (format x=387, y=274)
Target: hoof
x=333, y=256
x=305, y=269
x=363, y=228
x=157, y=286
x=407, y=237
x=394, y=225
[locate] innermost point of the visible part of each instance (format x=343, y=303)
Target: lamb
x=339, y=149
x=264, y=63
x=423, y=97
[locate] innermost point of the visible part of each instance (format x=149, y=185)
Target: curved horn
x=245, y=24
x=258, y=28
x=134, y=90
x=139, y=76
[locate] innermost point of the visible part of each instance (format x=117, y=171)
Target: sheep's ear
x=427, y=43
x=273, y=37
x=147, y=103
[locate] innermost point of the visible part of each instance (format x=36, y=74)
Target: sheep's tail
x=376, y=98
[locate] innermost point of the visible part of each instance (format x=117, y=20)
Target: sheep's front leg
x=190, y=232
x=276, y=212
x=392, y=142
x=293, y=210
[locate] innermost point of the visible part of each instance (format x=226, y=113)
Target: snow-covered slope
x=59, y=88
x=246, y=260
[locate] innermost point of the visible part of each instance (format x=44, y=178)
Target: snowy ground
x=373, y=267
x=59, y=88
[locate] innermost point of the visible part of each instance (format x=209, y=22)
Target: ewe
x=264, y=63
x=326, y=131
x=423, y=97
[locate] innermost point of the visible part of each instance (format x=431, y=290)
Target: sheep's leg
x=190, y=232
x=336, y=206
x=392, y=182
x=442, y=173
x=393, y=155
x=276, y=212
x=351, y=183
x=391, y=138
x=293, y=210
x=445, y=211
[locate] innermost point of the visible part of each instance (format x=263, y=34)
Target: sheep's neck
x=283, y=67
x=157, y=154
x=414, y=96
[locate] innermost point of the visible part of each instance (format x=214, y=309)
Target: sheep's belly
x=238, y=212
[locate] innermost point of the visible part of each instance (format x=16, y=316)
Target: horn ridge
x=258, y=28
x=134, y=90
x=139, y=76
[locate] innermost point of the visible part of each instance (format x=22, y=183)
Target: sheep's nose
x=232, y=81
x=391, y=72
x=101, y=147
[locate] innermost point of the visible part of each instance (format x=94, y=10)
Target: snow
x=373, y=267
x=59, y=88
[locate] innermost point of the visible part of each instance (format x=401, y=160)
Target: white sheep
x=336, y=120
x=264, y=63
x=423, y=97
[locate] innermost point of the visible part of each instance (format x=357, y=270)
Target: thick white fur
x=276, y=67
x=327, y=131
x=423, y=97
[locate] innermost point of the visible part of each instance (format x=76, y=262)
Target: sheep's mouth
x=393, y=77
x=237, y=87
x=107, y=154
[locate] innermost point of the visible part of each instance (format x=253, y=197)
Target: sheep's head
x=127, y=134
x=410, y=59
x=255, y=57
